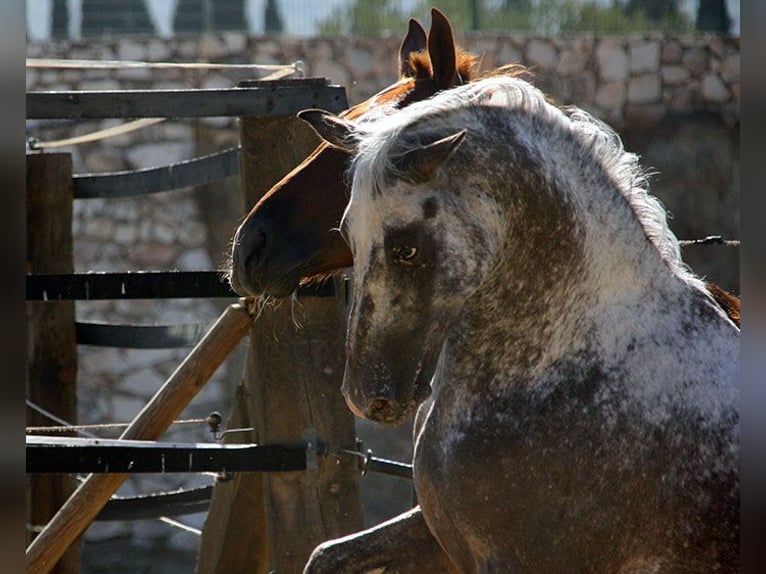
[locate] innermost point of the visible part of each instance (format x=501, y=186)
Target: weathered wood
x=292, y=385
x=297, y=372
x=182, y=385
x=234, y=538
x=52, y=347
x=269, y=99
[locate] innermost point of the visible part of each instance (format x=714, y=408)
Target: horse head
x=412, y=272
x=290, y=235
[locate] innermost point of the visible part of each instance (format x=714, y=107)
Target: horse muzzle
x=254, y=270
x=385, y=404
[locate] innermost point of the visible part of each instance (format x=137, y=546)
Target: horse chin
x=394, y=413
x=393, y=417
x=278, y=288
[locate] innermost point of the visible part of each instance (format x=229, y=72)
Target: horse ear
x=420, y=164
x=441, y=50
x=332, y=129
x=414, y=41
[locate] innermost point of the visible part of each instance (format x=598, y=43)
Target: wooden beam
x=52, y=346
x=186, y=381
x=291, y=389
x=283, y=97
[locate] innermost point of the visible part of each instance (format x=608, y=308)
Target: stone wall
x=674, y=100
x=620, y=79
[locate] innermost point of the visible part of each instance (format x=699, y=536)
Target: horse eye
x=405, y=253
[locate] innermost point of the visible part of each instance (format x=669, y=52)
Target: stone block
x=611, y=95
x=714, y=89
x=612, y=60
x=100, y=85
x=541, y=53
x=644, y=89
x=359, y=60
x=644, y=56
x=695, y=60
x=195, y=260
x=332, y=70
x=730, y=68
x=571, y=63
x=674, y=75
x=508, y=54
x=159, y=154
x=235, y=43
x=142, y=383
x=129, y=49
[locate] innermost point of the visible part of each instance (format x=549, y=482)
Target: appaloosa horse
x=577, y=386
x=290, y=236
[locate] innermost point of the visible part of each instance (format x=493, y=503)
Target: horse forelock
x=466, y=65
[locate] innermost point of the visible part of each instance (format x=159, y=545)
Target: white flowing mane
x=371, y=165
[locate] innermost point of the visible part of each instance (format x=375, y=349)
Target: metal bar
x=143, y=285
x=267, y=98
x=198, y=171
x=141, y=336
x=390, y=467
x=103, y=456
x=129, y=285
x=157, y=505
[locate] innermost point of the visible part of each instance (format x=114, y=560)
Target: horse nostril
x=256, y=247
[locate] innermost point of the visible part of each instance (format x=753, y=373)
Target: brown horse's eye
x=405, y=254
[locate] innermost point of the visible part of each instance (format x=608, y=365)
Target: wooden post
x=51, y=342
x=292, y=387
x=182, y=385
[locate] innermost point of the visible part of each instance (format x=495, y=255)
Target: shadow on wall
x=695, y=159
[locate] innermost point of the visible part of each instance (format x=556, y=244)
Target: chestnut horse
x=290, y=236
x=576, y=386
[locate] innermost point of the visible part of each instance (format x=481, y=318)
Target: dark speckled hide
x=582, y=414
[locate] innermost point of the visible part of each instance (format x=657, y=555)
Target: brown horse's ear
x=332, y=129
x=441, y=50
x=414, y=41
x=420, y=164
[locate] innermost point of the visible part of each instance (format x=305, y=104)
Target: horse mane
x=511, y=92
x=632, y=180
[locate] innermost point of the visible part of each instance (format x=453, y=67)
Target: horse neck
x=565, y=265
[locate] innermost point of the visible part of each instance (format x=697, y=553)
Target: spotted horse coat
x=576, y=386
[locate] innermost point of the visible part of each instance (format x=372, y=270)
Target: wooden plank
x=141, y=336
x=52, y=349
x=294, y=376
x=292, y=382
x=133, y=183
x=142, y=285
x=235, y=528
x=185, y=382
x=272, y=99
x=46, y=454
